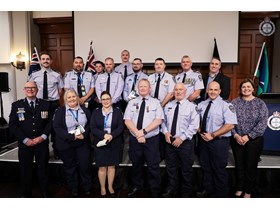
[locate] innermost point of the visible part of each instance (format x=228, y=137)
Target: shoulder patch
x=231, y=108
x=200, y=77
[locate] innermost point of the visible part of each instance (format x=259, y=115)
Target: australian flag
x=35, y=62
x=90, y=60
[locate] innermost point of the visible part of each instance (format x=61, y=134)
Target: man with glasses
x=130, y=90
x=30, y=123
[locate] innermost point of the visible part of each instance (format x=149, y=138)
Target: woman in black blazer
x=71, y=125
x=107, y=124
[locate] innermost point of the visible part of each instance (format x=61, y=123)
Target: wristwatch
x=145, y=132
x=213, y=135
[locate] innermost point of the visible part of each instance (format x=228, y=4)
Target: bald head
x=213, y=90
x=180, y=91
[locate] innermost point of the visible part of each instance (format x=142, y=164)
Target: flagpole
x=259, y=60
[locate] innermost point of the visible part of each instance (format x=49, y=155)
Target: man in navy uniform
x=110, y=81
x=218, y=118
x=81, y=81
x=50, y=85
x=30, y=123
x=130, y=90
x=143, y=117
x=180, y=125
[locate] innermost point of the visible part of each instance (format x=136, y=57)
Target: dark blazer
x=65, y=140
x=97, y=124
x=32, y=124
x=224, y=82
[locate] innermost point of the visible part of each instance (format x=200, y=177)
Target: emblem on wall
x=267, y=27
x=273, y=121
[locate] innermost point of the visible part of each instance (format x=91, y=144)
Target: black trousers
x=139, y=154
x=53, y=106
x=180, y=158
x=26, y=157
x=76, y=162
x=213, y=159
x=246, y=163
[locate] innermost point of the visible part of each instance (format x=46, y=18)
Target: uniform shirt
x=153, y=110
x=252, y=117
x=193, y=81
x=116, y=85
x=221, y=112
x=120, y=69
x=108, y=120
x=166, y=84
x=188, y=119
x=54, y=83
x=129, y=83
x=71, y=80
x=74, y=118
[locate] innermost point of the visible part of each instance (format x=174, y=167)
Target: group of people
x=164, y=115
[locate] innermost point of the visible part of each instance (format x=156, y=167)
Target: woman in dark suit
x=107, y=124
x=71, y=125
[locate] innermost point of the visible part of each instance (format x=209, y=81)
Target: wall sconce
x=20, y=61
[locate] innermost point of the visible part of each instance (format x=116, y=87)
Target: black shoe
x=133, y=192
x=155, y=195
x=168, y=194
x=45, y=195
x=202, y=194
x=112, y=195
x=74, y=193
x=88, y=192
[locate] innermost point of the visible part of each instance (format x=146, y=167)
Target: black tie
x=175, y=119
x=157, y=87
x=108, y=83
x=79, y=84
x=125, y=72
x=184, y=78
x=45, y=86
x=32, y=106
x=141, y=115
x=204, y=119
x=134, y=82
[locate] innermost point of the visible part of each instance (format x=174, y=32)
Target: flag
x=90, y=59
x=35, y=62
x=216, y=51
x=262, y=72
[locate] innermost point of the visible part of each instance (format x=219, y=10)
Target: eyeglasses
x=105, y=99
x=30, y=88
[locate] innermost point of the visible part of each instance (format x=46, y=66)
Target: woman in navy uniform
x=30, y=123
x=71, y=125
x=107, y=125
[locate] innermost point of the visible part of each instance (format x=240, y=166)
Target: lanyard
x=106, y=120
x=74, y=115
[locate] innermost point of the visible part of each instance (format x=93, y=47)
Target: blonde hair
x=70, y=91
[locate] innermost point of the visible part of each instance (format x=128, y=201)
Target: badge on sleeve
x=231, y=108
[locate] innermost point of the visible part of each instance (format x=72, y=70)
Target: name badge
x=44, y=114
x=83, y=89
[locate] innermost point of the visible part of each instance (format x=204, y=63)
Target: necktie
x=141, y=115
x=175, y=119
x=32, y=106
x=157, y=87
x=45, y=86
x=79, y=84
x=125, y=72
x=108, y=83
x=184, y=78
x=204, y=119
x=134, y=82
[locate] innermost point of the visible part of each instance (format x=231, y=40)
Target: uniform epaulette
x=36, y=70
x=226, y=101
